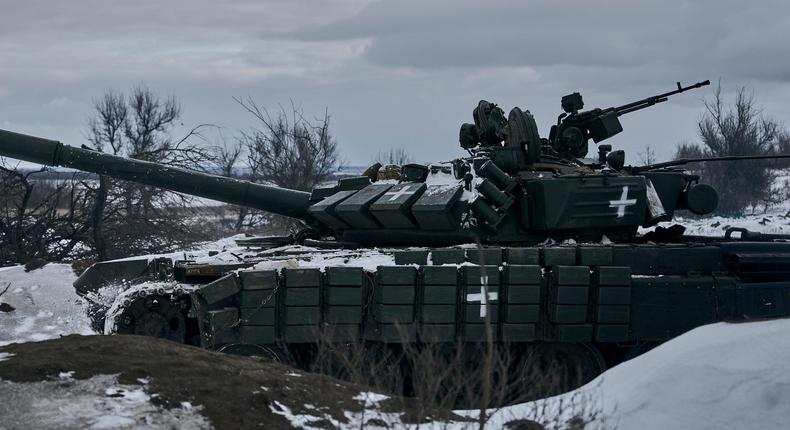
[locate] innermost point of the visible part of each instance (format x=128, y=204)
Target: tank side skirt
x=565, y=294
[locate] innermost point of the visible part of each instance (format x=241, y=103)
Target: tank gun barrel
x=683, y=161
x=282, y=201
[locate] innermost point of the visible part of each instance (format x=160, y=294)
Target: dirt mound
x=232, y=391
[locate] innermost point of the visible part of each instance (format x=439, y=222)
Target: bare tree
x=38, y=218
x=287, y=149
x=397, y=156
x=230, y=160
x=106, y=135
x=647, y=155
x=738, y=129
x=129, y=218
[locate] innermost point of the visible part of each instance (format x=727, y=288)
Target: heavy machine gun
x=569, y=137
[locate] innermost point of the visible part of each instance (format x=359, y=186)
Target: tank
x=526, y=241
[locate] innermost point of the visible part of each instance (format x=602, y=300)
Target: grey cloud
x=461, y=48
x=686, y=35
x=86, y=18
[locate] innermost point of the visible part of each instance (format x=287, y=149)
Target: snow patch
x=716, y=376
x=773, y=221
x=442, y=178
x=371, y=398
x=369, y=418
x=66, y=376
x=5, y=356
x=46, y=305
x=302, y=421
x=96, y=403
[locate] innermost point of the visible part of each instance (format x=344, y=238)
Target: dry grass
x=429, y=379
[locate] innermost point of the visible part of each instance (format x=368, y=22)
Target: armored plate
x=392, y=209
x=324, y=210
x=355, y=210
x=573, y=202
x=436, y=208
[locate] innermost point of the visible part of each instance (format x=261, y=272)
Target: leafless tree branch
x=738, y=129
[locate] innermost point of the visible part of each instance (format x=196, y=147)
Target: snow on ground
x=45, y=304
x=772, y=222
x=99, y=402
x=775, y=220
x=371, y=417
x=717, y=376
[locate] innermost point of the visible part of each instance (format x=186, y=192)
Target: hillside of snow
x=717, y=376
x=40, y=305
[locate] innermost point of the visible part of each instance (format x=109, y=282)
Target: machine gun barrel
x=282, y=201
x=650, y=101
x=683, y=161
x=570, y=136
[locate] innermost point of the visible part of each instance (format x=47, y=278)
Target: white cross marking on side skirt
x=483, y=298
x=622, y=203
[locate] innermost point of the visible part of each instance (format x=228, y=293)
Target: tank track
x=158, y=309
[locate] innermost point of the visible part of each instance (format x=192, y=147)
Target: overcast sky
x=401, y=73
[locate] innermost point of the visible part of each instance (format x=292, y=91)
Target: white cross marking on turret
x=622, y=203
x=483, y=298
x=397, y=194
